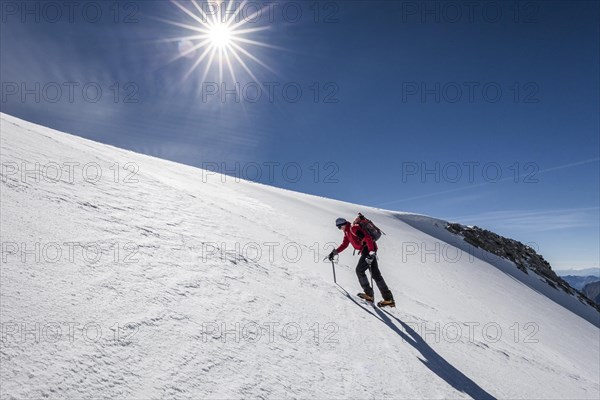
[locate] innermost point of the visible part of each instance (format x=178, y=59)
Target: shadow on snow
x=436, y=363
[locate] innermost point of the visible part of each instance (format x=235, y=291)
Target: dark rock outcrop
x=524, y=257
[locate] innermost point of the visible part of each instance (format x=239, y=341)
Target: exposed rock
x=524, y=257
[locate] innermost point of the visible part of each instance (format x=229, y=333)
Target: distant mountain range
x=578, y=282
x=587, y=281
x=592, y=290
x=579, y=272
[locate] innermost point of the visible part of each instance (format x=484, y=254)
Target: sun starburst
x=220, y=37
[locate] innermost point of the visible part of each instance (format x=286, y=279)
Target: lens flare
x=219, y=41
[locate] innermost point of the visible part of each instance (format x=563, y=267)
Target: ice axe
x=332, y=268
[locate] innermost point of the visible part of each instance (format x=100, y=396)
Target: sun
x=220, y=37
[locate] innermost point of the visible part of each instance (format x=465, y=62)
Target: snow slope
x=205, y=289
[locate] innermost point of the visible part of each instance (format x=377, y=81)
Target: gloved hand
x=332, y=254
x=369, y=259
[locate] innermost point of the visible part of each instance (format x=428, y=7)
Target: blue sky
x=483, y=114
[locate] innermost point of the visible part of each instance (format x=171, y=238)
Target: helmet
x=340, y=221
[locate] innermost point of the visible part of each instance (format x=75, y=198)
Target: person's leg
x=378, y=278
x=361, y=267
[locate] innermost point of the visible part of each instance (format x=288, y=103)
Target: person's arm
x=344, y=244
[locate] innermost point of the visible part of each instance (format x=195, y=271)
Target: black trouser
x=362, y=267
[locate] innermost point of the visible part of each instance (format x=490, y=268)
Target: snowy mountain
x=497, y=250
x=129, y=276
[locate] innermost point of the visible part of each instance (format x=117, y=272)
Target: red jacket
x=355, y=235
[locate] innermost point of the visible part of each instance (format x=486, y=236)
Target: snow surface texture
x=169, y=315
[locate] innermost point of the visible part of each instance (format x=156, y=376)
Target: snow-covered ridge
x=525, y=258
x=146, y=282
